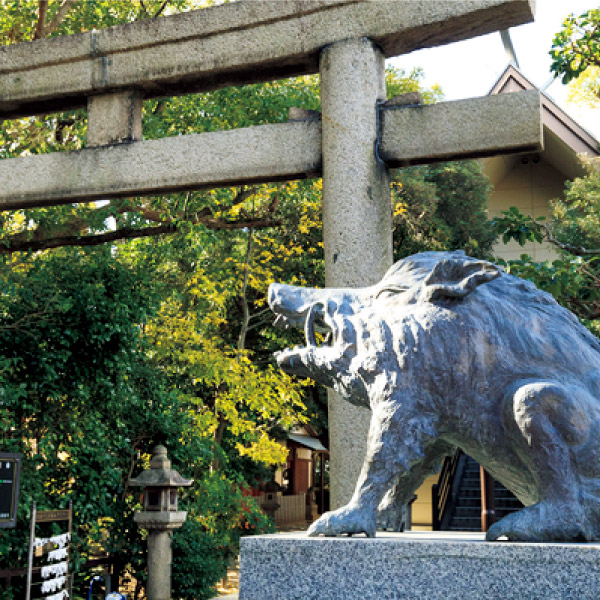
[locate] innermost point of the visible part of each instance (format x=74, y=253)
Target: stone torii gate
x=359, y=138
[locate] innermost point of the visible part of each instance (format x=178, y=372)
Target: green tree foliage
x=82, y=399
x=26, y=20
x=442, y=207
x=574, y=277
x=577, y=46
x=576, y=56
x=77, y=397
x=574, y=230
x=585, y=89
x=209, y=539
x=108, y=350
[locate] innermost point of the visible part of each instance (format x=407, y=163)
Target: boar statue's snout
x=288, y=304
x=316, y=311
x=276, y=295
x=293, y=304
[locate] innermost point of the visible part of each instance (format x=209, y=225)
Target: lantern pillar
x=160, y=557
x=160, y=517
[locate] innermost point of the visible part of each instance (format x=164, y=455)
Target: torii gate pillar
x=357, y=217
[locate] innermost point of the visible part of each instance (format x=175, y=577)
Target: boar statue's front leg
x=399, y=449
x=392, y=509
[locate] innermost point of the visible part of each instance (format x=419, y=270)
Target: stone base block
x=415, y=565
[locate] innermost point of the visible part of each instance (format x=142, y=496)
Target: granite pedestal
x=416, y=565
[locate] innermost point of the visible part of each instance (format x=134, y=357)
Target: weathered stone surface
x=159, y=520
x=114, y=118
x=232, y=44
x=268, y=153
x=302, y=114
x=160, y=523
x=265, y=153
x=432, y=566
x=474, y=127
x=160, y=558
x=408, y=99
x=357, y=220
x=160, y=474
x=449, y=351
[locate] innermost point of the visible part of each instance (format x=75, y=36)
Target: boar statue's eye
x=390, y=289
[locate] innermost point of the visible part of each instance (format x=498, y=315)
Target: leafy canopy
x=577, y=45
x=576, y=56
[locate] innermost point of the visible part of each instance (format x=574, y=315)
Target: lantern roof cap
x=160, y=473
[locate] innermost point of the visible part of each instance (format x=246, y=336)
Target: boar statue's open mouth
x=315, y=311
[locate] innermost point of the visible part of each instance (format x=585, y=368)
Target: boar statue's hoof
x=542, y=522
x=346, y=520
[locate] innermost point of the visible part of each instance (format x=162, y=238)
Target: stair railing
x=442, y=499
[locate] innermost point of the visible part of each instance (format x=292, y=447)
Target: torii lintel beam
x=502, y=124
x=232, y=44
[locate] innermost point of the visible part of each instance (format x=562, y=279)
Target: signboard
x=47, y=516
x=10, y=472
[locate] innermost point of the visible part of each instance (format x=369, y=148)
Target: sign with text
x=10, y=472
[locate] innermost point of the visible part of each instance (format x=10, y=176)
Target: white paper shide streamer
x=58, y=554
x=60, y=596
x=57, y=571
x=53, y=584
x=58, y=540
x=54, y=570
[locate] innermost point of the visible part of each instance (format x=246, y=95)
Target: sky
x=470, y=68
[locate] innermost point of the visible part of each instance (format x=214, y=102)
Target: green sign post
x=10, y=473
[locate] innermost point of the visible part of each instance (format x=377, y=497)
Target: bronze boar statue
x=449, y=351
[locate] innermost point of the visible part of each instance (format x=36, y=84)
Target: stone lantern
x=272, y=495
x=160, y=517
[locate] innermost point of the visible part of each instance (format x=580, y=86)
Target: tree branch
x=243, y=195
x=220, y=224
x=591, y=275
x=589, y=312
x=23, y=325
x=41, y=20
x=59, y=17
x=204, y=215
x=260, y=313
x=260, y=323
x=143, y=6
x=8, y=247
x=244, y=299
x=575, y=250
x=71, y=232
x=42, y=29
x=159, y=11
x=16, y=243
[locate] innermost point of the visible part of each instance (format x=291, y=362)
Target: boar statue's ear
x=457, y=278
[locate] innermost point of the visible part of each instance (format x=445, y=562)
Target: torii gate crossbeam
x=266, y=153
x=232, y=44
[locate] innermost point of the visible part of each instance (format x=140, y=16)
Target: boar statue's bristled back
x=449, y=351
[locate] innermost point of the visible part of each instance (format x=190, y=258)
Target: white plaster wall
x=529, y=186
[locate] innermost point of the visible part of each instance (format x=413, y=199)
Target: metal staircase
x=466, y=512
x=456, y=498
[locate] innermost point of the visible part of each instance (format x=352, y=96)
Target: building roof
x=309, y=442
x=564, y=138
